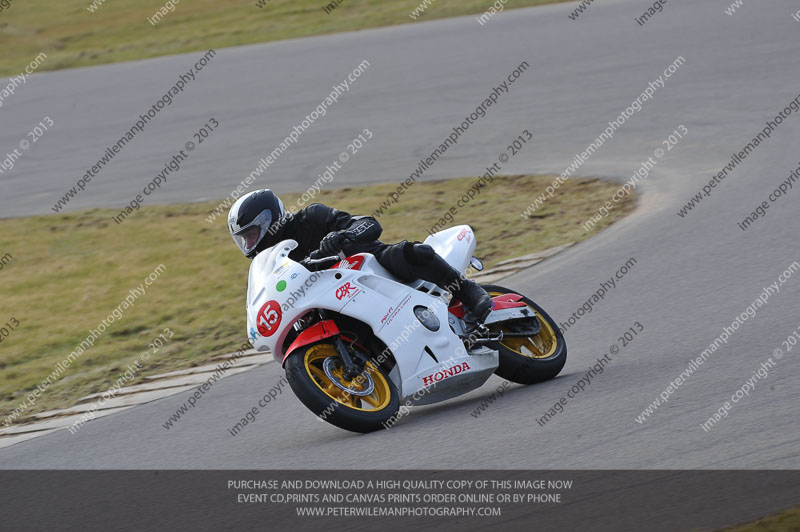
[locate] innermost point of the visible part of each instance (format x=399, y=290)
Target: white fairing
x=456, y=245
x=430, y=366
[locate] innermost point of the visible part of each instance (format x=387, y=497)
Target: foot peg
x=480, y=335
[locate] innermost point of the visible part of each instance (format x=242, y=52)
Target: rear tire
x=534, y=359
x=323, y=390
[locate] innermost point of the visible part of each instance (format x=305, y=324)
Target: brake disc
x=328, y=367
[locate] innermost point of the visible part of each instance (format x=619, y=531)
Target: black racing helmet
x=256, y=221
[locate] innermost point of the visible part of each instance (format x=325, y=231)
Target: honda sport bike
x=355, y=341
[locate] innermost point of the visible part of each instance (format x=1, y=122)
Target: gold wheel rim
x=377, y=400
x=543, y=345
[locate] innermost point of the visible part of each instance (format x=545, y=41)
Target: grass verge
x=782, y=522
x=73, y=36
x=69, y=271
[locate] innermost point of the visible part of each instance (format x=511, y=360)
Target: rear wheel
x=528, y=359
x=363, y=404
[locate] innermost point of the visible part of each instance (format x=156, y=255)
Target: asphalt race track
x=693, y=275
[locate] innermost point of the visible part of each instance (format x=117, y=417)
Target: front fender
x=315, y=333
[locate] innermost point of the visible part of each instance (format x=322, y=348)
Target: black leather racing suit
x=406, y=260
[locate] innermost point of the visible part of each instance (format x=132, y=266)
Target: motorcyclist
x=258, y=221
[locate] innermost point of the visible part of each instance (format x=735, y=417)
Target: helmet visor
x=249, y=236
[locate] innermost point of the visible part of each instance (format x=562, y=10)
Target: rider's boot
x=430, y=266
x=475, y=298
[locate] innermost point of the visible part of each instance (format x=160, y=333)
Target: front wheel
x=363, y=404
x=528, y=359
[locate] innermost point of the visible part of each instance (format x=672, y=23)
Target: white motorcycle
x=355, y=342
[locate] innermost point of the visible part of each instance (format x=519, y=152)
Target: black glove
x=333, y=243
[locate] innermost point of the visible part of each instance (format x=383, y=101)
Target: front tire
x=532, y=359
x=364, y=404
